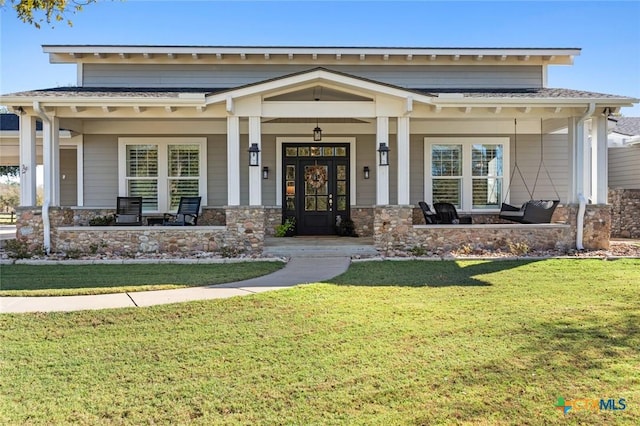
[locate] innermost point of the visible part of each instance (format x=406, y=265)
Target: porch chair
x=187, y=214
x=533, y=211
x=447, y=214
x=430, y=218
x=129, y=211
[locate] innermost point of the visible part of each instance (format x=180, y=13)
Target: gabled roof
x=317, y=74
x=629, y=126
x=106, y=97
x=533, y=93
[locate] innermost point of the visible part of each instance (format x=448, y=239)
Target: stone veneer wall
x=244, y=232
x=272, y=218
x=129, y=240
x=213, y=216
x=245, y=229
x=394, y=231
x=393, y=228
x=625, y=213
x=363, y=220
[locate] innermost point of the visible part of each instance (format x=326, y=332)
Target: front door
x=316, y=186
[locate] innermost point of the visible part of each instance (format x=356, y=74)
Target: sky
x=608, y=32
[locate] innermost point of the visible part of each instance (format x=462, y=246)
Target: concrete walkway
x=299, y=270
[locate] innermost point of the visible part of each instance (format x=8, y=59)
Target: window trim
x=163, y=170
x=467, y=178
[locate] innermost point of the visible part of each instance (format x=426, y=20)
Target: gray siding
x=68, y=177
x=100, y=170
x=624, y=167
x=244, y=170
x=556, y=153
x=225, y=76
x=417, y=166
x=269, y=160
x=217, y=170
x=365, y=156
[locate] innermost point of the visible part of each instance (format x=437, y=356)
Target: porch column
x=255, y=173
x=233, y=161
x=403, y=161
x=28, y=161
x=51, y=159
x=599, y=160
x=382, y=172
x=577, y=159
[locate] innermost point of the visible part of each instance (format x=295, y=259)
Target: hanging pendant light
x=317, y=132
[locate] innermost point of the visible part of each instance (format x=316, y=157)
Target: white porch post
x=51, y=159
x=255, y=173
x=233, y=161
x=599, y=168
x=382, y=172
x=28, y=161
x=403, y=161
x=577, y=159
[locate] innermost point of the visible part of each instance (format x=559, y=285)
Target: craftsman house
x=317, y=135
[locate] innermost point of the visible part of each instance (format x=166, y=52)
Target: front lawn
x=417, y=343
x=65, y=280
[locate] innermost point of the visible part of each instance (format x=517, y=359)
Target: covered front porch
x=254, y=157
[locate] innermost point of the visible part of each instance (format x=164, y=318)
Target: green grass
x=64, y=280
x=389, y=343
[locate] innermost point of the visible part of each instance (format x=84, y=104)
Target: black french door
x=316, y=186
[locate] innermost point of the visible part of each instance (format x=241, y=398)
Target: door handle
x=330, y=201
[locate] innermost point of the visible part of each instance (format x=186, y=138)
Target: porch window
x=161, y=170
x=142, y=174
x=466, y=172
x=446, y=169
x=184, y=172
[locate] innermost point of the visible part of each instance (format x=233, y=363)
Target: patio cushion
x=127, y=218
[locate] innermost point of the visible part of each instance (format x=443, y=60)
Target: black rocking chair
x=447, y=214
x=430, y=218
x=129, y=211
x=187, y=214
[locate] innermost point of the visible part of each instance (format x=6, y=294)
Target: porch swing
x=534, y=210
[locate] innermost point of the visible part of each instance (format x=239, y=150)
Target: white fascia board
x=523, y=102
x=316, y=76
x=72, y=53
x=103, y=101
x=249, y=50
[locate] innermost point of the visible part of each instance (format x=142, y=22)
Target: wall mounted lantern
x=265, y=172
x=254, y=155
x=384, y=154
x=366, y=172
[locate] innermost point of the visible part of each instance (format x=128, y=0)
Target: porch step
x=319, y=247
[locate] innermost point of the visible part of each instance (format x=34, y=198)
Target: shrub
x=95, y=248
x=73, y=254
x=227, y=251
x=418, y=251
x=108, y=220
x=287, y=228
x=19, y=249
x=346, y=228
x=519, y=248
